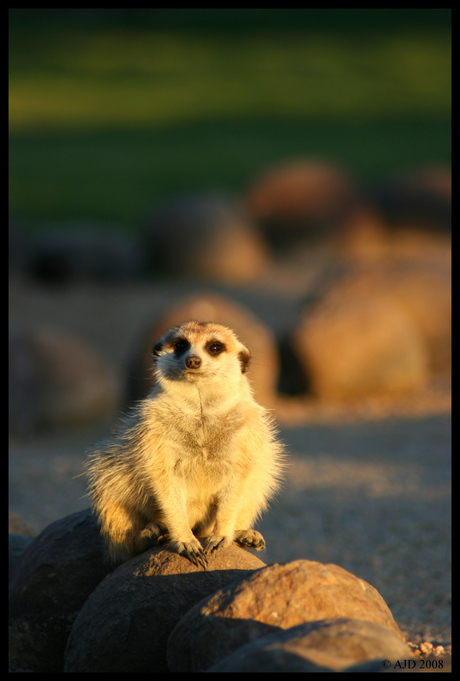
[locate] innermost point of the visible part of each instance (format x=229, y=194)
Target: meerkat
x=198, y=458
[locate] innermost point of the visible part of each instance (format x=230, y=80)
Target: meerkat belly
x=203, y=465
x=202, y=474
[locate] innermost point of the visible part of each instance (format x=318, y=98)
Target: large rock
x=424, y=294
x=82, y=251
x=17, y=525
x=273, y=598
x=20, y=536
x=125, y=623
x=56, y=380
x=422, y=198
x=325, y=645
x=17, y=544
x=264, y=367
x=207, y=237
x=53, y=578
x=310, y=200
x=354, y=343
x=378, y=331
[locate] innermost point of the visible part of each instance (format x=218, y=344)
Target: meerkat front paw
x=193, y=551
x=214, y=542
x=249, y=539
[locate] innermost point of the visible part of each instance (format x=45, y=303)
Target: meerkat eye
x=180, y=346
x=214, y=348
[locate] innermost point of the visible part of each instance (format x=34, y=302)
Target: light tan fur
x=197, y=458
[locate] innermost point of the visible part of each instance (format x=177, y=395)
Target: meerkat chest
x=207, y=434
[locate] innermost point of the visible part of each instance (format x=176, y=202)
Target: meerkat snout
x=193, y=362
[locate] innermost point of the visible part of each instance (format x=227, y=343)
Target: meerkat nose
x=193, y=362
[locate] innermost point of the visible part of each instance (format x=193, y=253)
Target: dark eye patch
x=180, y=345
x=215, y=348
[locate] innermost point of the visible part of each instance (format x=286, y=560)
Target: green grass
x=128, y=78
x=105, y=121
x=119, y=175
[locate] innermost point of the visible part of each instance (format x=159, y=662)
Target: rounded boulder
x=52, y=579
x=125, y=623
x=279, y=596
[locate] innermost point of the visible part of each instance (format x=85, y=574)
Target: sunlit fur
x=197, y=458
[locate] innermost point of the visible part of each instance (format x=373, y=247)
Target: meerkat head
x=197, y=351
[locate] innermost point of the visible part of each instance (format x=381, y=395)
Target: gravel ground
x=367, y=491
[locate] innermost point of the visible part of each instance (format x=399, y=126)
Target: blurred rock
x=85, y=252
x=205, y=237
x=19, y=244
x=264, y=367
x=326, y=645
x=17, y=525
x=363, y=235
x=55, y=381
x=410, y=246
x=273, y=598
x=260, y=656
x=424, y=293
x=20, y=535
x=378, y=331
x=125, y=623
x=354, y=342
x=53, y=578
x=312, y=200
x=422, y=198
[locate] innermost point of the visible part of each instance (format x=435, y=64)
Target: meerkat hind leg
x=249, y=539
x=153, y=534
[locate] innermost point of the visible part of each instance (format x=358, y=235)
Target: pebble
x=426, y=648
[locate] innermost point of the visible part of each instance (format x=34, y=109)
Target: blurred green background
x=112, y=110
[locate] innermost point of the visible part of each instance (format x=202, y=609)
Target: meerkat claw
x=199, y=559
x=195, y=555
x=213, y=543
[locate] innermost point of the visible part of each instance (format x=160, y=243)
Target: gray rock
x=353, y=344
x=331, y=645
x=85, y=251
x=422, y=198
x=53, y=578
x=305, y=200
x=17, y=544
x=206, y=236
x=259, y=657
x=125, y=623
x=274, y=598
x=57, y=380
x=17, y=525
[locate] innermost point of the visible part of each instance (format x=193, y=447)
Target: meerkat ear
x=245, y=357
x=156, y=350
